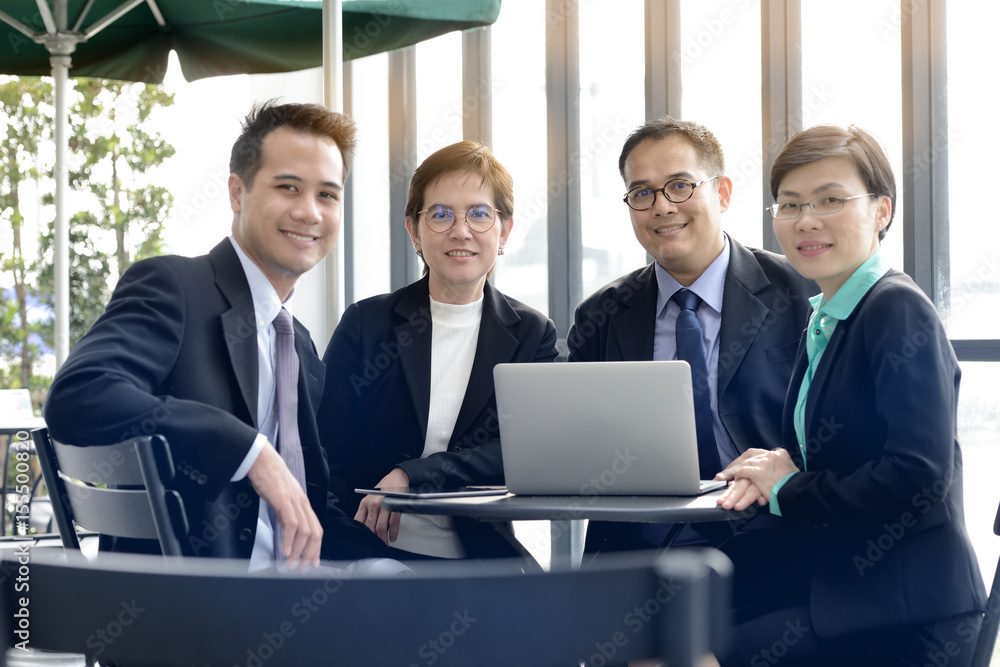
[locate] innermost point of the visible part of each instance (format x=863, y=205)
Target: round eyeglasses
x=825, y=205
x=480, y=218
x=678, y=191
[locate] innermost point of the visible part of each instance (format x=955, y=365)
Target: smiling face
x=459, y=259
x=683, y=238
x=289, y=219
x=829, y=248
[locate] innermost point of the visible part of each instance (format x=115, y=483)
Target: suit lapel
x=788, y=437
x=414, y=309
x=496, y=345
x=238, y=324
x=631, y=333
x=743, y=313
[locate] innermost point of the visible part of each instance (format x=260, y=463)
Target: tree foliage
x=25, y=110
x=116, y=217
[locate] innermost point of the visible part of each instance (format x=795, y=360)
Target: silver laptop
x=603, y=428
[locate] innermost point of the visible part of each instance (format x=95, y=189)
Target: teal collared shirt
x=822, y=323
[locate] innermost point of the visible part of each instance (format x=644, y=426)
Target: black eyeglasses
x=678, y=191
x=825, y=205
x=480, y=218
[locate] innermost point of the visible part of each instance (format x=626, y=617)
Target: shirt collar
x=846, y=299
x=266, y=302
x=708, y=287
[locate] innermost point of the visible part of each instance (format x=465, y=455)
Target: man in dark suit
x=754, y=304
x=186, y=348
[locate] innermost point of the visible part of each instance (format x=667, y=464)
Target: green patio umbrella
x=132, y=39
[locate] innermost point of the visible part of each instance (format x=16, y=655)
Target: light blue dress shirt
x=822, y=323
x=709, y=286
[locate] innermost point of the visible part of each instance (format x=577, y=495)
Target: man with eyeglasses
x=747, y=308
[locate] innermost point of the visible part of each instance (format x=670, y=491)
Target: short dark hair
x=268, y=116
x=710, y=155
x=859, y=146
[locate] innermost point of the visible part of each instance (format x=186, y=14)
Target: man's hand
x=370, y=512
x=303, y=534
x=752, y=477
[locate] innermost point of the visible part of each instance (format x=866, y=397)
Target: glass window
x=860, y=85
x=439, y=94
x=519, y=142
x=978, y=424
x=611, y=106
x=370, y=175
x=720, y=65
x=973, y=135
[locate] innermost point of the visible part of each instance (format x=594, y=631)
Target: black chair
x=991, y=620
x=122, y=490
x=144, y=610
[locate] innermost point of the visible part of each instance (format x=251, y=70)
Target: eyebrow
x=820, y=190
x=678, y=174
x=299, y=179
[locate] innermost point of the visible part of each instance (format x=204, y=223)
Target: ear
x=883, y=214
x=505, y=228
x=725, y=193
x=414, y=231
x=236, y=190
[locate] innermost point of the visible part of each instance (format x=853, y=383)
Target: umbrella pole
x=60, y=74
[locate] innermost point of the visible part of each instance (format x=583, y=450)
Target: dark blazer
x=884, y=475
x=373, y=416
x=764, y=308
x=176, y=353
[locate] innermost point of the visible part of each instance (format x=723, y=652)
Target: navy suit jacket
x=764, y=308
x=373, y=416
x=884, y=474
x=176, y=353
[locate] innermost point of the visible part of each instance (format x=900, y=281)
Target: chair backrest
x=122, y=489
x=133, y=609
x=991, y=620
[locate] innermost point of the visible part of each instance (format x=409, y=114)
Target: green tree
x=25, y=112
x=116, y=149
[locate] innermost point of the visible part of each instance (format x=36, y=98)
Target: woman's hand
x=382, y=523
x=753, y=475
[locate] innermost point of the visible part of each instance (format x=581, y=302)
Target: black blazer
x=176, y=353
x=373, y=416
x=884, y=475
x=764, y=307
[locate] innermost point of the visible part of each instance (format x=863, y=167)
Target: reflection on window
x=370, y=176
x=860, y=85
x=519, y=142
x=720, y=70
x=611, y=106
x=973, y=136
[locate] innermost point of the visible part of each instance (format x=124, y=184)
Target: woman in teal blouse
x=877, y=566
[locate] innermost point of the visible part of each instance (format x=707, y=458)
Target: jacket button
x=246, y=535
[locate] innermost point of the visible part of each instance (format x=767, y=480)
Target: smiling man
x=749, y=306
x=189, y=348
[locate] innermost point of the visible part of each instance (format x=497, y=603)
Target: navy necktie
x=286, y=379
x=688, y=333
